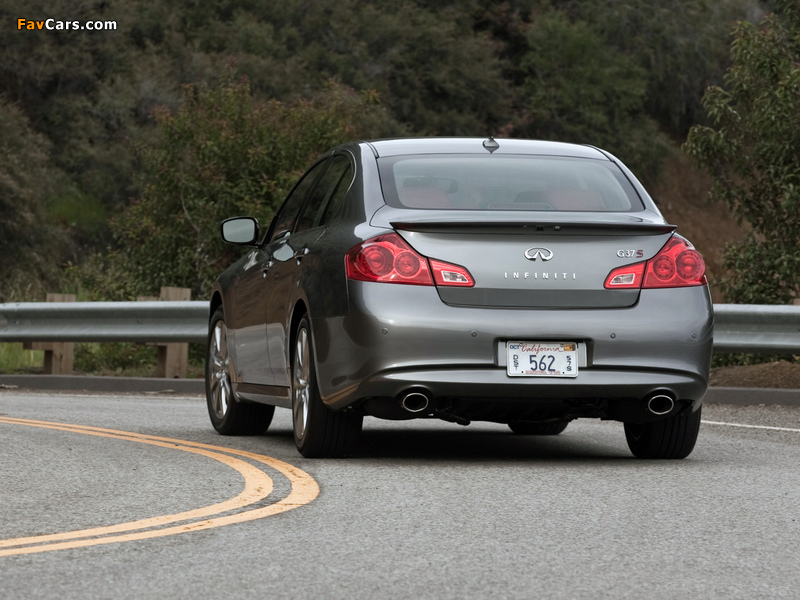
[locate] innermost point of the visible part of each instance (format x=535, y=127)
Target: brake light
x=677, y=264
x=389, y=259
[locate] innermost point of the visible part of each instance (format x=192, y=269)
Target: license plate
x=542, y=359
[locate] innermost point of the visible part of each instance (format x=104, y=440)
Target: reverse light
x=677, y=264
x=447, y=274
x=628, y=277
x=389, y=259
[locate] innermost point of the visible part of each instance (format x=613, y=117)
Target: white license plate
x=542, y=359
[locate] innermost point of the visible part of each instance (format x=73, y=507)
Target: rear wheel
x=318, y=431
x=533, y=428
x=228, y=416
x=673, y=437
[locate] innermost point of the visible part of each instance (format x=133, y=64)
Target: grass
x=14, y=359
x=120, y=359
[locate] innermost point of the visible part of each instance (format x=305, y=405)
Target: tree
x=78, y=89
x=577, y=88
x=29, y=244
x=436, y=75
x=683, y=48
x=222, y=154
x=752, y=149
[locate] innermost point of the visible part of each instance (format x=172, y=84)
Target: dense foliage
x=753, y=151
x=27, y=182
x=99, y=127
x=608, y=105
x=223, y=154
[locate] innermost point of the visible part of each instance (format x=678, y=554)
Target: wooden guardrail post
x=173, y=358
x=59, y=357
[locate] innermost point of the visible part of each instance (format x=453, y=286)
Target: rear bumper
x=490, y=395
x=396, y=337
x=493, y=383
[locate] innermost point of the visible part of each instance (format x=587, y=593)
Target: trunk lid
x=555, y=261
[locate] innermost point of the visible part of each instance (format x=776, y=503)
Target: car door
x=247, y=321
x=293, y=254
x=255, y=287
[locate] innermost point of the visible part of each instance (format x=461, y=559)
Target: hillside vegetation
x=227, y=101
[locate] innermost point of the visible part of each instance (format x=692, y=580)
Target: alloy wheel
x=219, y=370
x=301, y=374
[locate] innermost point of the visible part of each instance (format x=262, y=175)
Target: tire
x=229, y=416
x=670, y=438
x=533, y=428
x=319, y=432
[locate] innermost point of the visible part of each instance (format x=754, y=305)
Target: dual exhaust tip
x=415, y=401
x=660, y=404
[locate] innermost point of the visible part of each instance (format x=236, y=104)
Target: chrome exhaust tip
x=660, y=404
x=415, y=402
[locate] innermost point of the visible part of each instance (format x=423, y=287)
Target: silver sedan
x=520, y=282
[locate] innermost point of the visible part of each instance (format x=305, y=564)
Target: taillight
x=389, y=259
x=678, y=264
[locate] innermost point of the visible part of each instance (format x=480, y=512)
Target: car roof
x=397, y=147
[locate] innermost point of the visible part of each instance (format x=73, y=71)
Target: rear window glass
x=490, y=182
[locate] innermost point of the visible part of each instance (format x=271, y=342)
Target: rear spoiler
x=551, y=227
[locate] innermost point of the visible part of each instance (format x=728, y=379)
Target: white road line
x=751, y=426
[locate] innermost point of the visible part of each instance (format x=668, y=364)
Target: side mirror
x=242, y=231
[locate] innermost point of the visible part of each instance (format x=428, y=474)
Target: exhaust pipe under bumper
x=660, y=404
x=415, y=401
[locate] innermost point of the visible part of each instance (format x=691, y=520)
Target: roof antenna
x=491, y=144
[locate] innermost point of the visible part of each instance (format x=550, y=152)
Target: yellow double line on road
x=258, y=485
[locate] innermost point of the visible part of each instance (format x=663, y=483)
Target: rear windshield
x=491, y=182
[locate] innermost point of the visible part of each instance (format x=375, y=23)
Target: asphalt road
x=428, y=509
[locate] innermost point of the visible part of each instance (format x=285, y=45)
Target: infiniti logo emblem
x=544, y=253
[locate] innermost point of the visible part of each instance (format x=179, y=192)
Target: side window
x=291, y=207
x=312, y=211
x=338, y=195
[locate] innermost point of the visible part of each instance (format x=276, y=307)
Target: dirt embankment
x=781, y=374
x=682, y=197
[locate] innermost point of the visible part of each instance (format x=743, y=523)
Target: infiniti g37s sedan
x=518, y=282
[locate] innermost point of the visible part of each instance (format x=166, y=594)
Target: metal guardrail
x=152, y=321
x=737, y=328
x=757, y=328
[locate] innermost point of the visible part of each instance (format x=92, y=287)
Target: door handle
x=300, y=254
